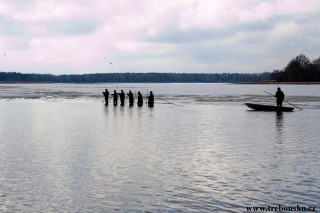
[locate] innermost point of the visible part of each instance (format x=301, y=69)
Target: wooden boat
x=261, y=107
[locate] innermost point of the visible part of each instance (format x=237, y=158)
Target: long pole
x=284, y=101
x=169, y=102
x=147, y=98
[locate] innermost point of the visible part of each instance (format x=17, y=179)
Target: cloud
x=143, y=35
x=72, y=27
x=208, y=14
x=10, y=28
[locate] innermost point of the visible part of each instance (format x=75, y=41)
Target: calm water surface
x=62, y=150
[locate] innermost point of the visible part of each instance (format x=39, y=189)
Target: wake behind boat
x=261, y=107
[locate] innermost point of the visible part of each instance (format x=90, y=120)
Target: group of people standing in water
x=279, y=95
x=130, y=95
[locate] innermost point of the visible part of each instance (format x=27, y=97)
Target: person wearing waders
x=106, y=96
x=140, y=99
x=151, y=100
x=115, y=98
x=131, y=100
x=122, y=97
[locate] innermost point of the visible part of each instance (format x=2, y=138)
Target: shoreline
x=51, y=82
x=294, y=83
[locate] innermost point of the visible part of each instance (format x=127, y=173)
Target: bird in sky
x=111, y=63
x=4, y=54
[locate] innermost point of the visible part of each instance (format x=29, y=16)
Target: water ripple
x=212, y=155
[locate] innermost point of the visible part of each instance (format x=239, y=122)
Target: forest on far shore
x=134, y=78
x=299, y=69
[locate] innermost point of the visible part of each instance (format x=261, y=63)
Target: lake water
x=200, y=149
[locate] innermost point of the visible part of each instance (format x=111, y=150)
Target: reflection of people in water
x=279, y=118
x=279, y=124
x=122, y=97
x=115, y=98
x=140, y=99
x=151, y=100
x=280, y=97
x=106, y=96
x=131, y=100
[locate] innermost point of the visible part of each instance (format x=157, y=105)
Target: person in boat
x=122, y=97
x=131, y=100
x=151, y=100
x=140, y=99
x=280, y=97
x=106, y=96
x=115, y=98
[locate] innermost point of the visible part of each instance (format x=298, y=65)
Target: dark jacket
x=279, y=95
x=140, y=100
x=131, y=100
x=151, y=100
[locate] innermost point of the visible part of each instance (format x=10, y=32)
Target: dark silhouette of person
x=140, y=99
x=115, y=98
x=122, y=98
x=131, y=100
x=280, y=97
x=151, y=100
x=106, y=96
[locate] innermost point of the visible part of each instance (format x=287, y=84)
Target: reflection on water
x=279, y=124
x=79, y=155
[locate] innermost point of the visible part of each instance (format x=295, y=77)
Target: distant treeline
x=135, y=77
x=299, y=69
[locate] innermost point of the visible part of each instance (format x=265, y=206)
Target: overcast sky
x=194, y=36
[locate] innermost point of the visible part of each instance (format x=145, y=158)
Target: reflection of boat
x=261, y=107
